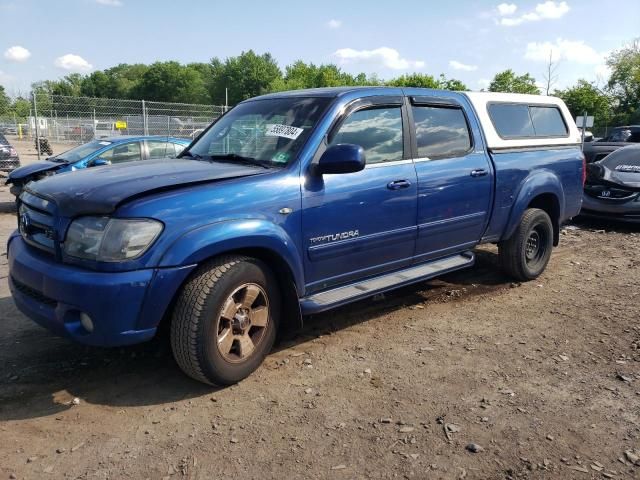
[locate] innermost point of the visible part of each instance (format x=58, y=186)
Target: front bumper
x=626, y=211
x=125, y=307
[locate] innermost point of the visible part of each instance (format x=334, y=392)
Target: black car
x=612, y=189
x=9, y=159
x=618, y=137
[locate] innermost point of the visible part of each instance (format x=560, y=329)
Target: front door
x=360, y=224
x=455, y=178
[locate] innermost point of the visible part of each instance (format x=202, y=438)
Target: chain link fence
x=76, y=120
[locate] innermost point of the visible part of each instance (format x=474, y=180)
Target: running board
x=356, y=291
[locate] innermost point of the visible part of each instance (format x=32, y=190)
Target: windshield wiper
x=234, y=157
x=195, y=156
x=58, y=160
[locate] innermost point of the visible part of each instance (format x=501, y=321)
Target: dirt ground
x=543, y=377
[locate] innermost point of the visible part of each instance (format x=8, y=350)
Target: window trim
x=528, y=105
x=438, y=103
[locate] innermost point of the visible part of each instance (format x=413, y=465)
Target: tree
x=507, y=81
x=172, y=82
x=624, y=83
x=21, y=108
x=5, y=101
x=451, y=84
x=550, y=76
x=245, y=76
x=586, y=97
x=420, y=80
x=120, y=81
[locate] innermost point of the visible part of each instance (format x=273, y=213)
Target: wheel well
x=549, y=203
x=291, y=315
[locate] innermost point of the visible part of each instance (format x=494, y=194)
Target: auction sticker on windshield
x=286, y=131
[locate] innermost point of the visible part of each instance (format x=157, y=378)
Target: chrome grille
x=36, y=227
x=604, y=192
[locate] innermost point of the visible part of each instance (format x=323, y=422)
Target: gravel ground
x=468, y=376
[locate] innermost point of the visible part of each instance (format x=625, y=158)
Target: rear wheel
x=224, y=322
x=526, y=254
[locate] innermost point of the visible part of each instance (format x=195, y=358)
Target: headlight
x=110, y=239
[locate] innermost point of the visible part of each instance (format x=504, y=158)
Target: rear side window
x=511, y=121
x=527, y=121
x=441, y=131
x=547, y=122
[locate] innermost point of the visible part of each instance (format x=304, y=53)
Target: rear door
x=455, y=177
x=361, y=224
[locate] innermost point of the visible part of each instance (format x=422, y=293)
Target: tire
x=219, y=306
x=526, y=254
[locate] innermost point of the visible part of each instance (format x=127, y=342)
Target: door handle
x=480, y=172
x=398, y=184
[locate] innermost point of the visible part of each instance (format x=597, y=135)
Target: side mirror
x=342, y=158
x=100, y=162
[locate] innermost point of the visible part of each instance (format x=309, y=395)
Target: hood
x=99, y=190
x=620, y=169
x=38, y=167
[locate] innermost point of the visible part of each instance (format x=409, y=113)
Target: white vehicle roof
x=480, y=101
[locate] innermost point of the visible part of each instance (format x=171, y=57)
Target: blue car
x=99, y=152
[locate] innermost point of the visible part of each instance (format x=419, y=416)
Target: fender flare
x=539, y=183
x=217, y=238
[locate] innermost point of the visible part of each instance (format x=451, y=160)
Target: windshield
x=623, y=135
x=78, y=153
x=267, y=131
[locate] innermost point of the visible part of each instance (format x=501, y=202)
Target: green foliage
x=421, y=80
x=5, y=101
x=509, y=82
x=586, y=97
x=624, y=83
x=171, y=82
x=245, y=76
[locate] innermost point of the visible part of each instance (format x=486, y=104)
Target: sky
x=470, y=41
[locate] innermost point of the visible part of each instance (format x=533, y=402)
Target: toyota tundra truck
x=291, y=204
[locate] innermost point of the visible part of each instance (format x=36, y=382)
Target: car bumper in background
x=626, y=211
x=9, y=165
x=124, y=307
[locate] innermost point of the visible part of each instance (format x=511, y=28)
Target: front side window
x=269, y=131
x=377, y=130
x=129, y=152
x=441, y=131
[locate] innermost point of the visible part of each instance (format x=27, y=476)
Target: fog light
x=86, y=322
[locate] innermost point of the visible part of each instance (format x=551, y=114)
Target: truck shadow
x=587, y=223
x=41, y=374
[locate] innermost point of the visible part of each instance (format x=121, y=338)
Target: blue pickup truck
x=291, y=204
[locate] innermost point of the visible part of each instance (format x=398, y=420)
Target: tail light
x=584, y=170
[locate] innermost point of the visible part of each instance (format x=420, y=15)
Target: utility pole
x=35, y=113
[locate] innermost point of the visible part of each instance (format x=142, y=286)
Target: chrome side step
x=356, y=291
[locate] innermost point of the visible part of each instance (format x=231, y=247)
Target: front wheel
x=225, y=320
x=526, y=254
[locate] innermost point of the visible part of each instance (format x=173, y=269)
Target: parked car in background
x=105, y=129
x=612, y=190
x=618, y=137
x=106, y=151
x=294, y=203
x=9, y=159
